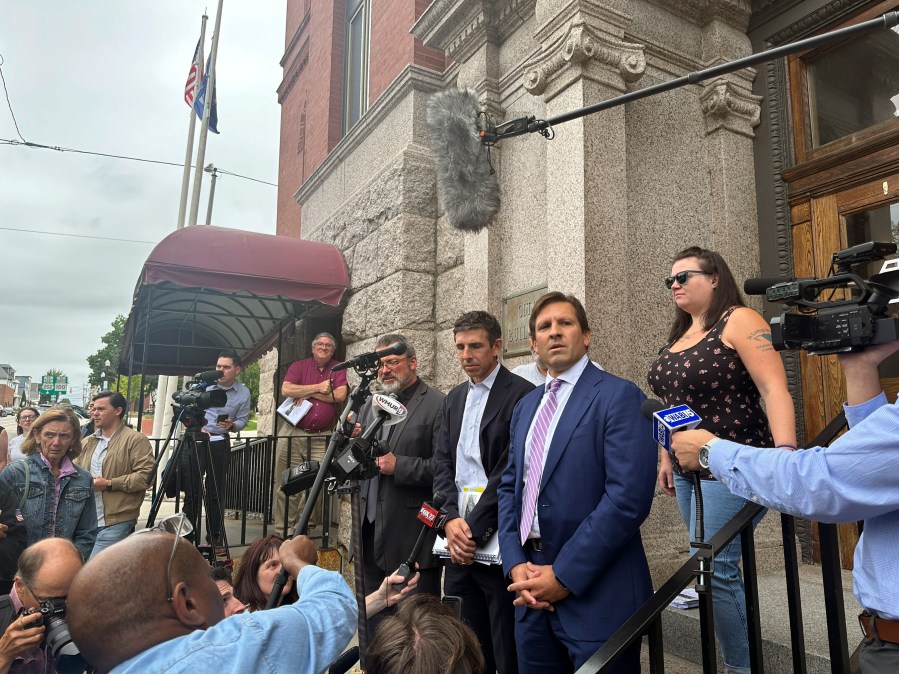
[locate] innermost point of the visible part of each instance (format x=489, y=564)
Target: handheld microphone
x=466, y=181
x=429, y=516
x=367, y=360
x=664, y=423
x=209, y=376
x=667, y=421
x=388, y=411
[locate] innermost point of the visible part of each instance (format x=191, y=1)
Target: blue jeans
x=728, y=595
x=114, y=533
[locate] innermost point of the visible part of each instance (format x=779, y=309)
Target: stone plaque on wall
x=516, y=313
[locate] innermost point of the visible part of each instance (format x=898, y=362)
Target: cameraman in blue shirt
x=855, y=478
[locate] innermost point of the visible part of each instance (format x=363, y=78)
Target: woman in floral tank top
x=719, y=360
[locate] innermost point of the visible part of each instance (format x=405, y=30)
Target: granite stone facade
x=598, y=211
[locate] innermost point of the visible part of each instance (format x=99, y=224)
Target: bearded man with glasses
x=312, y=380
x=391, y=500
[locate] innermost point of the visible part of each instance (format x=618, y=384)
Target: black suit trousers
x=486, y=608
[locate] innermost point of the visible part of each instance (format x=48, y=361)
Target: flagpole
x=188, y=154
x=204, y=130
x=169, y=384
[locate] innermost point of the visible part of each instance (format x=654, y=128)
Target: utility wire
x=237, y=175
x=8, y=104
x=75, y=236
x=39, y=146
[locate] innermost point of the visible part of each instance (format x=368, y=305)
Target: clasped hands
x=459, y=541
x=536, y=586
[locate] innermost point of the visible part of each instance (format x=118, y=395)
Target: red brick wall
x=312, y=101
x=310, y=107
x=392, y=45
x=7, y=393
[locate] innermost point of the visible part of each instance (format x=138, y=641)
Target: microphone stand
x=339, y=440
x=523, y=125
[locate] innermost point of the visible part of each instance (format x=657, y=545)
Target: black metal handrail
x=647, y=620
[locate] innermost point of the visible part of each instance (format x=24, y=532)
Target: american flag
x=195, y=74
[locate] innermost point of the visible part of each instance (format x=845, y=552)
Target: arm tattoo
x=762, y=337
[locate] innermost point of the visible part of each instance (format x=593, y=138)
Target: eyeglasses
x=682, y=277
x=392, y=364
x=61, y=601
x=323, y=345
x=177, y=525
x=27, y=417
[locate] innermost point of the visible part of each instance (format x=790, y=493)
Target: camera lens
x=65, y=652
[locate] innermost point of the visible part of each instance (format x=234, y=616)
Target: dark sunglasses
x=683, y=276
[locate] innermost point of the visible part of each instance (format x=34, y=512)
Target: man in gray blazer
x=392, y=499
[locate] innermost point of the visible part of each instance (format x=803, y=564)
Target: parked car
x=83, y=417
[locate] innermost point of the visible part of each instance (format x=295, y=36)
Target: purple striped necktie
x=535, y=461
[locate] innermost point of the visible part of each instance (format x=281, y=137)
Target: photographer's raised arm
x=861, y=370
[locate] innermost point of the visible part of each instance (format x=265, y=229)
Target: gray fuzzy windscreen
x=468, y=189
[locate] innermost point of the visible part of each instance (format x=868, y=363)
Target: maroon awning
x=204, y=289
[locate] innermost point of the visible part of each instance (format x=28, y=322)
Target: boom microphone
x=370, y=359
x=429, y=516
x=465, y=180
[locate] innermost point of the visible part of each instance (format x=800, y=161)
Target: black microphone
x=759, y=286
x=466, y=181
x=429, y=516
x=210, y=376
x=370, y=359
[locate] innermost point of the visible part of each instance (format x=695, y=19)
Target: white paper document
x=489, y=553
x=291, y=412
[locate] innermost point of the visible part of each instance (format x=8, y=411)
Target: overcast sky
x=108, y=76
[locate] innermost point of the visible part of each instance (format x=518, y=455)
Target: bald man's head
x=46, y=569
x=118, y=604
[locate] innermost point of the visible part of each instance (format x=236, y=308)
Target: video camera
x=56, y=636
x=356, y=461
x=191, y=403
x=821, y=325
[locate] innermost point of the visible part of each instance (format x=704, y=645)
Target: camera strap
x=7, y=612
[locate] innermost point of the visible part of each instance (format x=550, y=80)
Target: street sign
x=51, y=384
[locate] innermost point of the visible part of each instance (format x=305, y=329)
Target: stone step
x=680, y=628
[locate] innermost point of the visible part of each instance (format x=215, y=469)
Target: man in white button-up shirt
x=471, y=454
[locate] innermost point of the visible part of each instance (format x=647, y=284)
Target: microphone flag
x=668, y=421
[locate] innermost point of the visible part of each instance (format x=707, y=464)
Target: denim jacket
x=76, y=516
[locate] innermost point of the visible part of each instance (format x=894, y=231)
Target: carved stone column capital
x=572, y=55
x=726, y=106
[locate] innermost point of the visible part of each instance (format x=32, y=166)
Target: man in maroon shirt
x=309, y=379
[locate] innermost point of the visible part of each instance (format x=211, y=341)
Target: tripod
x=191, y=458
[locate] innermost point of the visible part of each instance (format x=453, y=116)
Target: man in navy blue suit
x=579, y=483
